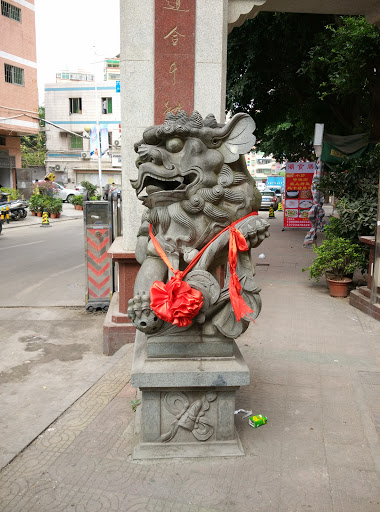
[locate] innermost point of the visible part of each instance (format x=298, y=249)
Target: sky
x=75, y=35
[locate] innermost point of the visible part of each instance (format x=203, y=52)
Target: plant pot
x=34, y=214
x=53, y=215
x=80, y=207
x=57, y=215
x=339, y=288
x=39, y=214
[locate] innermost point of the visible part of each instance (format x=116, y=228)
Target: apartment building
x=112, y=68
x=261, y=166
x=74, y=107
x=18, y=83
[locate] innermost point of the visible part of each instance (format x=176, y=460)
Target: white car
x=65, y=193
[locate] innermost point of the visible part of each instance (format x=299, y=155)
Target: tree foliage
x=33, y=147
x=290, y=71
x=355, y=183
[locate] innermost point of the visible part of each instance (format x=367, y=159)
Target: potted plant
x=55, y=207
x=337, y=258
x=33, y=204
x=79, y=202
x=39, y=203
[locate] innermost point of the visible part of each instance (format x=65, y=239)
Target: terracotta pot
x=339, y=288
x=39, y=214
x=80, y=207
x=57, y=215
x=53, y=215
x=34, y=214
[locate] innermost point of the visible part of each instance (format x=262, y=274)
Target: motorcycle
x=17, y=207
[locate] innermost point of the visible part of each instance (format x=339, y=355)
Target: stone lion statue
x=194, y=183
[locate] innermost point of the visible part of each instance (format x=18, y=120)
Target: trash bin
x=98, y=239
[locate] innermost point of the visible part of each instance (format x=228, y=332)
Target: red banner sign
x=174, y=57
x=298, y=196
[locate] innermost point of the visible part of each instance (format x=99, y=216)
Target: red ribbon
x=236, y=242
x=177, y=303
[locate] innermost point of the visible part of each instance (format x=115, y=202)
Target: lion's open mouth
x=151, y=188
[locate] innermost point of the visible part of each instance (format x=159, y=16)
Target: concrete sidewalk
x=315, y=374
x=68, y=213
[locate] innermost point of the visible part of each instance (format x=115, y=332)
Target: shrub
x=36, y=203
x=355, y=183
x=46, y=188
x=337, y=256
x=91, y=189
x=13, y=193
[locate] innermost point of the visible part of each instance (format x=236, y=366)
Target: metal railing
x=115, y=200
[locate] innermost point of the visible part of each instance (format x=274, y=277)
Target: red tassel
x=237, y=241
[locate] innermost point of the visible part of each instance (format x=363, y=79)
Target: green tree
x=33, y=147
x=290, y=71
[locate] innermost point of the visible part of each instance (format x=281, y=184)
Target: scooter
x=17, y=208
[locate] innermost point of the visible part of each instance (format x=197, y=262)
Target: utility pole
x=98, y=131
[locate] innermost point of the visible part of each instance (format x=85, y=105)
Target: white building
x=112, y=68
x=261, y=166
x=74, y=106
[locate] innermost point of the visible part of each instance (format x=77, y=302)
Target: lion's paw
x=143, y=318
x=261, y=232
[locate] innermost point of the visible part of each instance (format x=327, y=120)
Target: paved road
x=43, y=266
x=51, y=349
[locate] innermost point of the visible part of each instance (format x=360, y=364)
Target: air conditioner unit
x=85, y=155
x=117, y=143
x=57, y=167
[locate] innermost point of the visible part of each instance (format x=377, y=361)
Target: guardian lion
x=194, y=183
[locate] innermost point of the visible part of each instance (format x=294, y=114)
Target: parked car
x=278, y=191
x=80, y=188
x=65, y=193
x=268, y=199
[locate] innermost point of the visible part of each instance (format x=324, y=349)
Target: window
x=113, y=63
x=75, y=105
x=14, y=75
x=113, y=76
x=106, y=105
x=76, y=142
x=2, y=141
x=10, y=11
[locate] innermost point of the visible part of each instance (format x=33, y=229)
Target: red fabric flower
x=175, y=302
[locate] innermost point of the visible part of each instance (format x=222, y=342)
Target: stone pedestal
x=188, y=404
x=361, y=297
x=117, y=328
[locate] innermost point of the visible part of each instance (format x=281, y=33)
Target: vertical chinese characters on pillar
x=174, y=57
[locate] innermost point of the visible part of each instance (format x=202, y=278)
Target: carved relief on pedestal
x=189, y=415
